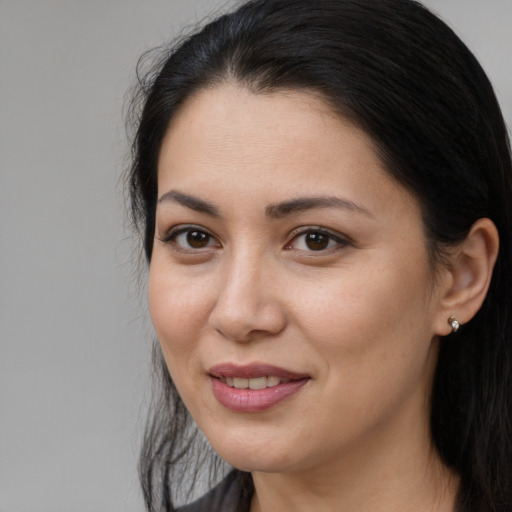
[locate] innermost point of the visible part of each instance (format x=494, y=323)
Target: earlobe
x=469, y=275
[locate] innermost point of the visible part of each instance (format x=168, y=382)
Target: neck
x=429, y=489
x=395, y=470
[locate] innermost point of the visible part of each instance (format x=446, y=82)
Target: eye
x=316, y=240
x=190, y=238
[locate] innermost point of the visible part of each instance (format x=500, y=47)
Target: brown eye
x=316, y=241
x=191, y=239
x=198, y=239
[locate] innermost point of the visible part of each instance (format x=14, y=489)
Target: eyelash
x=334, y=241
x=172, y=236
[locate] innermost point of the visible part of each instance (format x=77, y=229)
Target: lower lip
x=254, y=400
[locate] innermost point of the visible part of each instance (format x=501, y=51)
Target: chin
x=255, y=458
x=257, y=464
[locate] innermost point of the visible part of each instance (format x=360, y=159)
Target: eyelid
x=171, y=234
x=341, y=240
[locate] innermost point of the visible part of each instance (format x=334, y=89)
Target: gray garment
x=225, y=497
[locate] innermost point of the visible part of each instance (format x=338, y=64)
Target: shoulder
x=225, y=497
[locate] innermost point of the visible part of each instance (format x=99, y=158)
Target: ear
x=466, y=278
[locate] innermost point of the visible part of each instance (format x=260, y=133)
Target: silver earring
x=454, y=323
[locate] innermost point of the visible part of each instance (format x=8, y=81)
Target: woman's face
x=290, y=285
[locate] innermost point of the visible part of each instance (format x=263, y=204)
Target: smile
x=254, y=383
x=254, y=388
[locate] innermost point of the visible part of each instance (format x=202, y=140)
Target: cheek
x=372, y=326
x=370, y=298
x=179, y=307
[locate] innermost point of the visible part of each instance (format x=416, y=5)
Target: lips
x=253, y=388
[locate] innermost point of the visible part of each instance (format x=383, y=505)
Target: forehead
x=229, y=140
x=228, y=120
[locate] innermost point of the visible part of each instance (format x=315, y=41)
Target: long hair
x=402, y=75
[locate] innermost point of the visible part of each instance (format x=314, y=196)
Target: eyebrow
x=280, y=210
x=194, y=203
x=274, y=211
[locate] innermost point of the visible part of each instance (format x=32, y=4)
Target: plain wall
x=74, y=337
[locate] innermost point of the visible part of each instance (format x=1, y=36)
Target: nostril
x=243, y=324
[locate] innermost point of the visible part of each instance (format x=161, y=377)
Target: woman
x=324, y=192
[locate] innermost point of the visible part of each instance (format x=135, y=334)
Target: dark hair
x=398, y=72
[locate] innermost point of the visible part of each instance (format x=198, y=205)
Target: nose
x=248, y=304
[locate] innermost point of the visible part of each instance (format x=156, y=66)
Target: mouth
x=269, y=381
x=254, y=387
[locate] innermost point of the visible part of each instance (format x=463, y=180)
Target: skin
x=361, y=317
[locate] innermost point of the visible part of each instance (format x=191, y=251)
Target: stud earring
x=454, y=323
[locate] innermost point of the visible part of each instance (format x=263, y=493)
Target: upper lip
x=253, y=370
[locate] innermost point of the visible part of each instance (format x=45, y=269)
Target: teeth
x=258, y=383
x=255, y=382
x=240, y=383
x=273, y=381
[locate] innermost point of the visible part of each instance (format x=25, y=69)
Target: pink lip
x=253, y=370
x=253, y=400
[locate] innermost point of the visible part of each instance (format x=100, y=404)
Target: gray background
x=74, y=334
